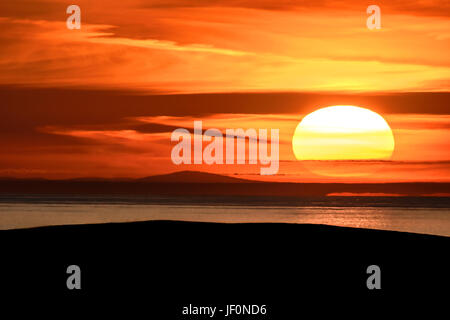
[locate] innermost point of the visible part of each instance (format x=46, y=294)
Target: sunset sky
x=102, y=101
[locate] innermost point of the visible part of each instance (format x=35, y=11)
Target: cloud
x=221, y=47
x=420, y=7
x=44, y=106
x=116, y=134
x=102, y=100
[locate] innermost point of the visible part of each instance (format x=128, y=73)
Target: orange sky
x=102, y=101
x=190, y=46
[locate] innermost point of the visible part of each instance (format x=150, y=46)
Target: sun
x=343, y=133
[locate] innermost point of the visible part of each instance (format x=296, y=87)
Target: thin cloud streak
x=226, y=48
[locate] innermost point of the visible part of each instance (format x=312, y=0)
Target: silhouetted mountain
x=192, y=177
x=191, y=183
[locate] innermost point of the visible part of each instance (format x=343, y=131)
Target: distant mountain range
x=192, y=183
x=192, y=177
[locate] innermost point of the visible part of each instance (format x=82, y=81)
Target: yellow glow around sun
x=343, y=133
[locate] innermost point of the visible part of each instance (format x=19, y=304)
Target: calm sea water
x=430, y=215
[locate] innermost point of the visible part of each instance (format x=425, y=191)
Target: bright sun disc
x=343, y=133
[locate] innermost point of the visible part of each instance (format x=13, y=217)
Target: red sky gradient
x=103, y=100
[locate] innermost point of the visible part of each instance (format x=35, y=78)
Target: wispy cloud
x=226, y=46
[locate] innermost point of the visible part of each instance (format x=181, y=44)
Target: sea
x=426, y=215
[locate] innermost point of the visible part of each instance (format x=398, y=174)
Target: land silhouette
x=192, y=183
x=273, y=263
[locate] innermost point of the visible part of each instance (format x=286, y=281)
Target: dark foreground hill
x=158, y=267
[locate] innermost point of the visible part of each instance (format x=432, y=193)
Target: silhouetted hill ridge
x=192, y=183
x=193, y=177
